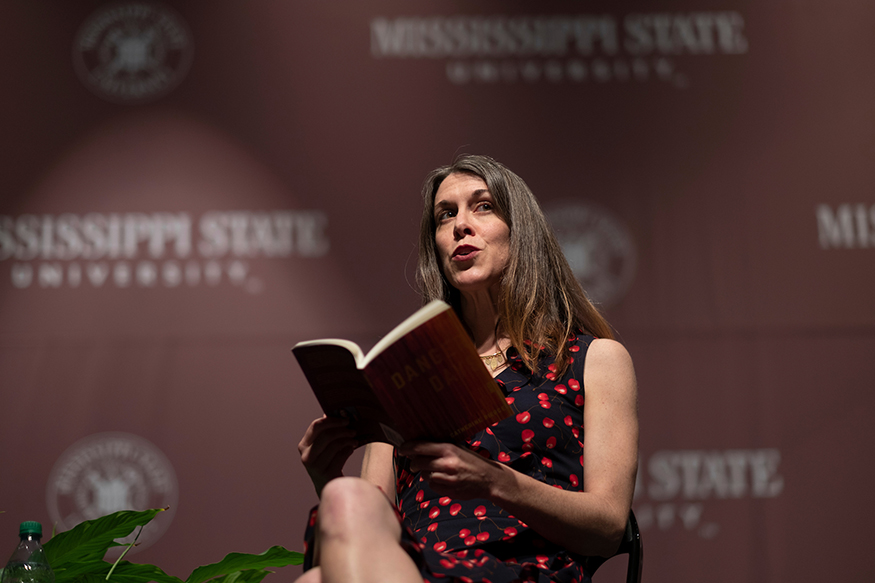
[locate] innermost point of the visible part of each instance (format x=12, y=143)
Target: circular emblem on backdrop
x=132, y=52
x=107, y=472
x=598, y=247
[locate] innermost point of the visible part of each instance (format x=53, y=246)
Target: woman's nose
x=462, y=225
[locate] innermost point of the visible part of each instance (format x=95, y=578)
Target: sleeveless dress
x=475, y=540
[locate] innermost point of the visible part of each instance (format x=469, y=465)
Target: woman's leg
x=314, y=575
x=358, y=536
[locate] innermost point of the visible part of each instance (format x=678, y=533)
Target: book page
x=343, y=391
x=423, y=314
x=350, y=346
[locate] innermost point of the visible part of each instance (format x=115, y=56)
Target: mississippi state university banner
x=188, y=189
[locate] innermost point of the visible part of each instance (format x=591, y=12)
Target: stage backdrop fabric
x=187, y=189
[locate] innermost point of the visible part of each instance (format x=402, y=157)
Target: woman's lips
x=464, y=253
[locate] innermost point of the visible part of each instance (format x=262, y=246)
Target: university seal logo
x=132, y=52
x=107, y=472
x=598, y=247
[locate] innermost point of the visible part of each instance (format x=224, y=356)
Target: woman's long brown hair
x=541, y=303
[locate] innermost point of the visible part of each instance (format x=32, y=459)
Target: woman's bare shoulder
x=608, y=363
x=606, y=351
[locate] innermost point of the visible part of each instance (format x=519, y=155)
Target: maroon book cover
x=424, y=380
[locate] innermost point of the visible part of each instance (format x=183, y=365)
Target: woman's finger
x=324, y=429
x=425, y=448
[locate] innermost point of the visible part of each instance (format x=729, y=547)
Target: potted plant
x=77, y=556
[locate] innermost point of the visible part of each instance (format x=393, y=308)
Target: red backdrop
x=190, y=188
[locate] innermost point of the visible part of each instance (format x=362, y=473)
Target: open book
x=423, y=380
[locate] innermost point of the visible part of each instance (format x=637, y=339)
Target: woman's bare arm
x=378, y=467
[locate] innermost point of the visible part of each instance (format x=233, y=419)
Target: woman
x=520, y=500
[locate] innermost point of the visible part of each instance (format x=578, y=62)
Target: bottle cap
x=30, y=527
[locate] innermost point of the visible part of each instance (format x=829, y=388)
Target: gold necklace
x=493, y=361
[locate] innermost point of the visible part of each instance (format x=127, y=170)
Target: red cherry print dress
x=476, y=541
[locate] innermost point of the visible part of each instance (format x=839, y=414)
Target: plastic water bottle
x=28, y=563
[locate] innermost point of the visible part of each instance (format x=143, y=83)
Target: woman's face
x=473, y=241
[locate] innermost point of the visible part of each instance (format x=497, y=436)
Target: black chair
x=630, y=545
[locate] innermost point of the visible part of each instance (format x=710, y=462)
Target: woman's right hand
x=325, y=447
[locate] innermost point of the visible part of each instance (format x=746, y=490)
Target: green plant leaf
x=70, y=572
x=77, y=555
x=247, y=576
x=275, y=556
x=88, y=541
x=89, y=578
x=126, y=572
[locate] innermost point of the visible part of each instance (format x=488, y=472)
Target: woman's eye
x=443, y=215
x=485, y=206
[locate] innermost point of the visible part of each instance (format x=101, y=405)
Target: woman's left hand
x=451, y=470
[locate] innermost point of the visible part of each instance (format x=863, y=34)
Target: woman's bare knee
x=314, y=575
x=358, y=534
x=352, y=506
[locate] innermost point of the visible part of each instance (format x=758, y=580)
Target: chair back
x=631, y=545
